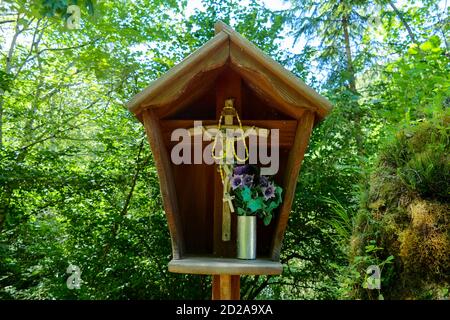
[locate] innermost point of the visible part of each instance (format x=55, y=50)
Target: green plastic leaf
x=272, y=205
x=240, y=212
x=255, y=204
x=267, y=219
x=279, y=192
x=246, y=194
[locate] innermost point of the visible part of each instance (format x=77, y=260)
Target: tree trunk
x=352, y=86
x=348, y=53
x=7, y=70
x=404, y=22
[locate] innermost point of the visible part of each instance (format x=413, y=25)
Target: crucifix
x=225, y=135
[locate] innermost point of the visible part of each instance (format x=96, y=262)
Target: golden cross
x=228, y=114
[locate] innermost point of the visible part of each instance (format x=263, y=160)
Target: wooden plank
x=211, y=55
x=276, y=69
x=228, y=85
x=295, y=159
x=195, y=207
x=198, y=87
x=167, y=187
x=232, y=266
x=264, y=87
x=227, y=46
x=287, y=128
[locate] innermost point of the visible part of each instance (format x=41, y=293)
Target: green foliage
x=417, y=85
x=404, y=217
x=259, y=196
x=77, y=181
x=6, y=81
x=78, y=184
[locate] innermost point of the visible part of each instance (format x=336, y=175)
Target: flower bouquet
x=253, y=196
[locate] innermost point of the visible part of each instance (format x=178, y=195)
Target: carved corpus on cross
x=225, y=137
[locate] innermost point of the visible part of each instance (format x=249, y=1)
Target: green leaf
x=267, y=219
x=413, y=49
x=279, y=192
x=255, y=204
x=435, y=41
x=246, y=194
x=241, y=212
x=426, y=46
x=272, y=205
x=90, y=7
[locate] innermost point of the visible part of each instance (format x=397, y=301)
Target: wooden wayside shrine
x=265, y=95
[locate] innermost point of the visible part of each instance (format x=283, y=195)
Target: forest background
x=78, y=184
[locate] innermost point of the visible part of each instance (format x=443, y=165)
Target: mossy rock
x=406, y=213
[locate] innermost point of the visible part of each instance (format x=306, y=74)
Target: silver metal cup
x=246, y=237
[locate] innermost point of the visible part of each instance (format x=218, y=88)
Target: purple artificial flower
x=269, y=192
x=263, y=181
x=247, y=180
x=240, y=170
x=236, y=181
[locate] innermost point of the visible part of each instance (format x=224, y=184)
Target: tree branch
x=405, y=23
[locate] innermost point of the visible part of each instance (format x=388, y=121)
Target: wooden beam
x=295, y=159
x=166, y=181
x=226, y=287
x=228, y=85
x=215, y=294
x=287, y=128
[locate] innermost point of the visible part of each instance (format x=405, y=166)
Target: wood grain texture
x=211, y=55
x=215, y=294
x=295, y=159
x=233, y=282
x=287, y=128
x=228, y=85
x=167, y=187
x=231, y=266
x=322, y=105
x=235, y=287
x=266, y=85
x=198, y=86
x=195, y=73
x=195, y=197
x=225, y=287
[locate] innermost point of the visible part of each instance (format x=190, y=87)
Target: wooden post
x=228, y=85
x=226, y=287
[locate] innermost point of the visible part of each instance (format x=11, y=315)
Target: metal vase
x=246, y=237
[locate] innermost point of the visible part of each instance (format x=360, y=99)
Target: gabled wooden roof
x=196, y=74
